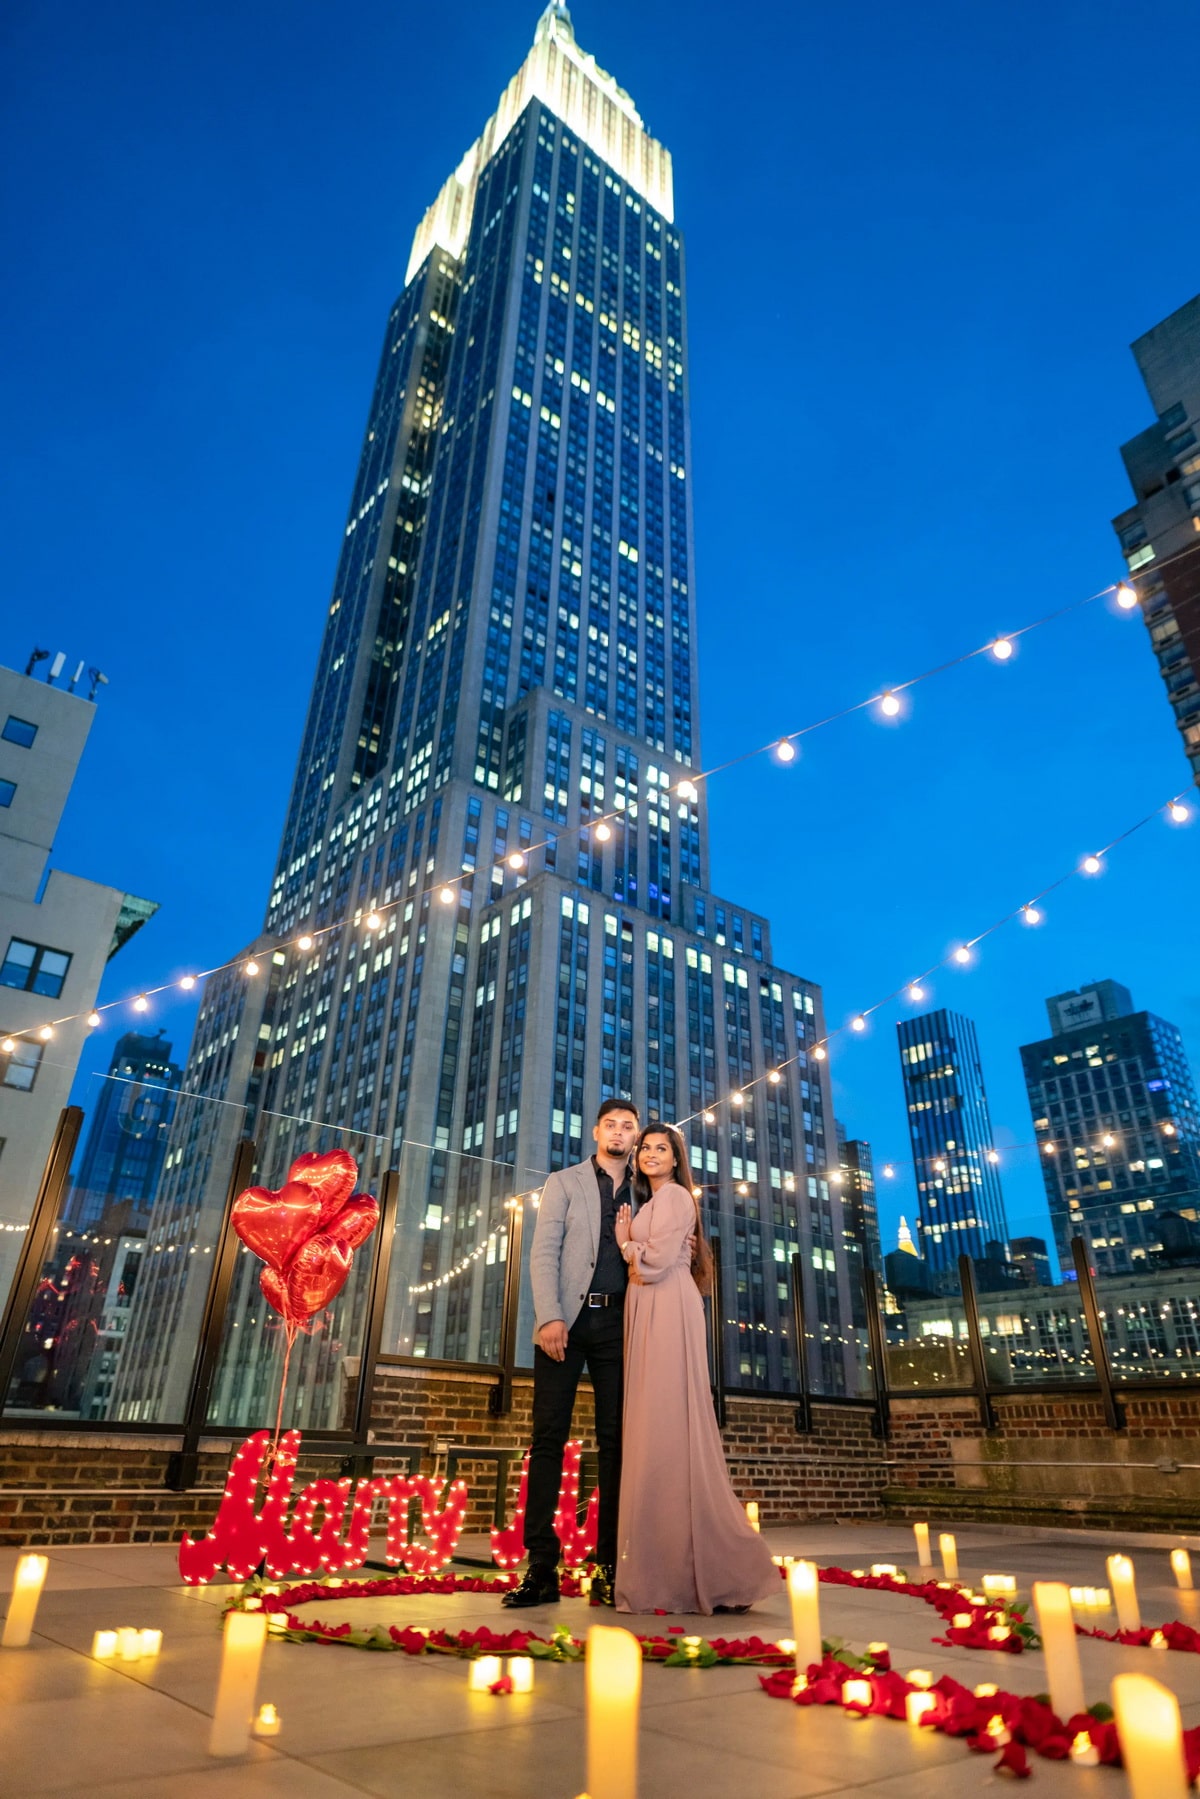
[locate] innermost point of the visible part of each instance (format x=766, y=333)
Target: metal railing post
x=38, y=1240
x=970, y=1299
x=878, y=1346
x=183, y=1464
x=1114, y=1411
x=377, y=1286
x=500, y=1398
x=804, y=1419
x=717, y=1329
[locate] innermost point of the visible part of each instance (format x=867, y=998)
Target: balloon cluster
x=306, y=1232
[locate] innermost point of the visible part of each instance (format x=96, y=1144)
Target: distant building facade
x=57, y=931
x=1158, y=535
x=955, y=1164
x=1116, y=1120
x=1031, y=1259
x=128, y=1119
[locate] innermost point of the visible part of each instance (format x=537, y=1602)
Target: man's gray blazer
x=566, y=1243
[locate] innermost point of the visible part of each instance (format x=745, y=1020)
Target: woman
x=684, y=1542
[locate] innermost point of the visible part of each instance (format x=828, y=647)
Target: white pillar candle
x=949, y=1553
x=924, y=1555
x=520, y=1669
x=1056, y=1624
x=1181, y=1568
x=483, y=1673
x=878, y=1568
x=1124, y=1591
x=806, y=1613
x=999, y=1586
x=1151, y=1737
x=22, y=1607
x=614, y=1690
x=752, y=1513
x=241, y=1656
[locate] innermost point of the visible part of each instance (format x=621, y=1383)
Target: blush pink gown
x=683, y=1541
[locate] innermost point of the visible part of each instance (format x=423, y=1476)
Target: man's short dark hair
x=617, y=1105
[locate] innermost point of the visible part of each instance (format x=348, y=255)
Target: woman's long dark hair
x=702, y=1260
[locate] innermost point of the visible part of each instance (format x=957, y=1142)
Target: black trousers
x=596, y=1341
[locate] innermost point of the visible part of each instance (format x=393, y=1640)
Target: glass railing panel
x=1151, y=1323
x=113, y=1330
x=925, y=1327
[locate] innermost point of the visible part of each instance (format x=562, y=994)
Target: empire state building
x=491, y=907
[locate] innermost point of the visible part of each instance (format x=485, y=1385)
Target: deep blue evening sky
x=920, y=240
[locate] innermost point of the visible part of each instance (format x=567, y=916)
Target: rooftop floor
x=391, y=1724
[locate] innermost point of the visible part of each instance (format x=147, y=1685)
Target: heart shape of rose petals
x=331, y=1177
x=317, y=1275
x=274, y=1224
x=356, y=1220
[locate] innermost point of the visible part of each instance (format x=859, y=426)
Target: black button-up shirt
x=611, y=1272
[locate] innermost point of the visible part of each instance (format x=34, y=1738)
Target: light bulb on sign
x=516, y=861
x=785, y=750
x=889, y=705
x=1126, y=598
x=602, y=833
x=1031, y=915
x=447, y=896
x=1002, y=649
x=1179, y=812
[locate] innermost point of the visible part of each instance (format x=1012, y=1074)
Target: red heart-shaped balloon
x=331, y=1177
x=274, y=1225
x=356, y=1220
x=274, y=1289
x=317, y=1275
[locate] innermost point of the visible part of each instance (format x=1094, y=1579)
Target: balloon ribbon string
x=287, y=1356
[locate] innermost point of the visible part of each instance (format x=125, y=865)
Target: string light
x=602, y=832
x=1126, y=598
x=1091, y=865
x=372, y=920
x=962, y=955
x=305, y=942
x=516, y=861
x=1179, y=812
x=46, y=1033
x=710, y=1118
x=1002, y=649
x=859, y=1023
x=93, y=1019
x=774, y=1077
x=141, y=1003
x=916, y=992
x=8, y=1046
x=1049, y=1149
x=993, y=1155
x=252, y=968
x=889, y=705
x=737, y=1099
x=819, y=1053
x=889, y=1173
x=1031, y=915
x=447, y=896
x=785, y=750
x=188, y=982
x=687, y=790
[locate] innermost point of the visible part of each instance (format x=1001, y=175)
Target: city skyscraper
x=961, y=1205
x=1118, y=1127
x=860, y=1212
x=1158, y=535
x=495, y=853
x=129, y=1114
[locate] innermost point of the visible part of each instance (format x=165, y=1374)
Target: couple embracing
x=618, y=1266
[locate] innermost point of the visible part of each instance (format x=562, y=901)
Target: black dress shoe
x=539, y=1587
x=604, y=1584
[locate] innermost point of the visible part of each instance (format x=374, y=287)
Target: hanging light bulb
x=835, y=1177
x=45, y=1033
x=687, y=790
x=1168, y=1130
x=962, y=955
x=697, y=1192
x=859, y=1023
x=889, y=1173
x=710, y=1118
x=1048, y=1149
x=993, y=1155
x=188, y=982
x=1179, y=812
x=304, y=942
x=252, y=967
x=1126, y=598
x=785, y=750
x=1031, y=915
x=516, y=861
x=774, y=1077
x=737, y=1099
x=889, y=705
x=8, y=1045
x=602, y=832
x=141, y=1003
x=742, y=1187
x=447, y=896
x=916, y=992
x=939, y=1167
x=1091, y=865
x=93, y=1019
x=819, y=1053
x=372, y=920
x=1108, y=1140
x=1002, y=649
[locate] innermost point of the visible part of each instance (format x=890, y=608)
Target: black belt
x=595, y=1300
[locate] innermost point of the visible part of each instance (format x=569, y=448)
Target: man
x=578, y=1276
